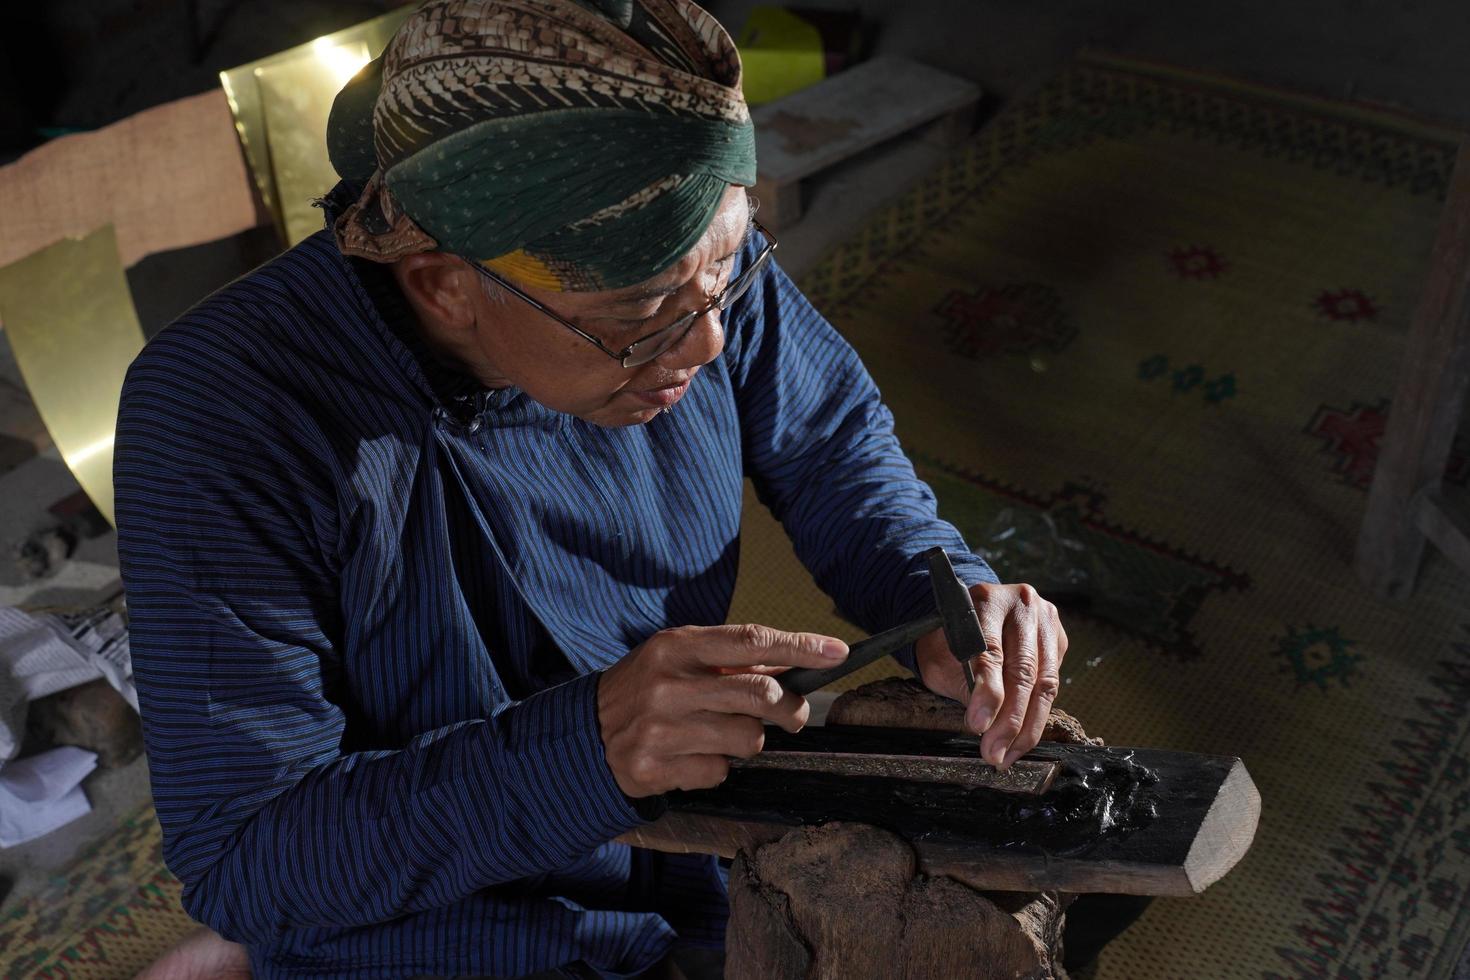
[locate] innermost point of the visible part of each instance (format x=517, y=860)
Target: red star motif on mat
x=1353, y=436
x=1018, y=318
x=1197, y=262
x=1346, y=304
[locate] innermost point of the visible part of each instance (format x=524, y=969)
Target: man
x=429, y=526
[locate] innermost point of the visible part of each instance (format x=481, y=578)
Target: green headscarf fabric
x=568, y=144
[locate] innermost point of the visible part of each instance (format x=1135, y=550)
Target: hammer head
x=956, y=608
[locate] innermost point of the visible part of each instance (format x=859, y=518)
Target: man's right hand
x=682, y=703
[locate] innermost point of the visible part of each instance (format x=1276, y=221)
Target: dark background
x=79, y=64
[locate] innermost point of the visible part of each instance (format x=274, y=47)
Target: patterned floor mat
x=105, y=919
x=1140, y=336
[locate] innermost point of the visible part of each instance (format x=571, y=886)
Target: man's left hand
x=1016, y=678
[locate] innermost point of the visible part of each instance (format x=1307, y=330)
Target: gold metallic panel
x=72, y=326
x=297, y=97
x=280, y=105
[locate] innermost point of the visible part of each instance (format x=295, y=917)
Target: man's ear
x=440, y=288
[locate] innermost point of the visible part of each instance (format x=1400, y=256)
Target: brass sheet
x=72, y=326
x=293, y=123
x=297, y=97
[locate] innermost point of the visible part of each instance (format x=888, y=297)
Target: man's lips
x=664, y=396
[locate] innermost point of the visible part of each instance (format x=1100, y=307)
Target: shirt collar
x=462, y=397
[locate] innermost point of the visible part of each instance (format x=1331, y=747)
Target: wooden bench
x=836, y=119
x=1407, y=504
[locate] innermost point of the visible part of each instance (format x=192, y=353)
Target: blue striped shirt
x=370, y=600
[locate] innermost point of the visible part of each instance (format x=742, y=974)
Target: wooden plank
x=1426, y=404
x=829, y=122
x=1178, y=820
x=851, y=111
x=166, y=177
x=1446, y=521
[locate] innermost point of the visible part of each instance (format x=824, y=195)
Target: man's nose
x=702, y=344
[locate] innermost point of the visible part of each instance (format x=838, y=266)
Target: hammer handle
x=805, y=680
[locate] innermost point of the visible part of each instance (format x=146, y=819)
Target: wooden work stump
x=848, y=900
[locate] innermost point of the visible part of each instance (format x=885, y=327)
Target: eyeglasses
x=645, y=349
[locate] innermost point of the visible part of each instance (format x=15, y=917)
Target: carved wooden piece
x=1207, y=807
x=845, y=901
x=1427, y=406
x=900, y=702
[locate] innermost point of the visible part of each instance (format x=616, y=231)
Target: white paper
x=13, y=710
x=34, y=652
x=35, y=660
x=100, y=636
x=45, y=653
x=42, y=792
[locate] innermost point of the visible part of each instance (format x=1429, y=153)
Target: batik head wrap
x=568, y=144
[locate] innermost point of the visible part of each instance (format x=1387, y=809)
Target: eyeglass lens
x=674, y=332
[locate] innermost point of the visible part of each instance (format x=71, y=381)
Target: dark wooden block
x=1127, y=821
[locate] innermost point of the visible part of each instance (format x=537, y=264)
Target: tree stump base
x=92, y=716
x=846, y=900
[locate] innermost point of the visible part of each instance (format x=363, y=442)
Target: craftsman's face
x=505, y=341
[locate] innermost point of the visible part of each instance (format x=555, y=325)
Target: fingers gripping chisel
x=954, y=612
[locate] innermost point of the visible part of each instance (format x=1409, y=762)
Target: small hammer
x=955, y=612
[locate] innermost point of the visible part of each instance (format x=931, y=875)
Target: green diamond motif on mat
x=1220, y=389
x=1319, y=656
x=1152, y=367
x=1188, y=377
